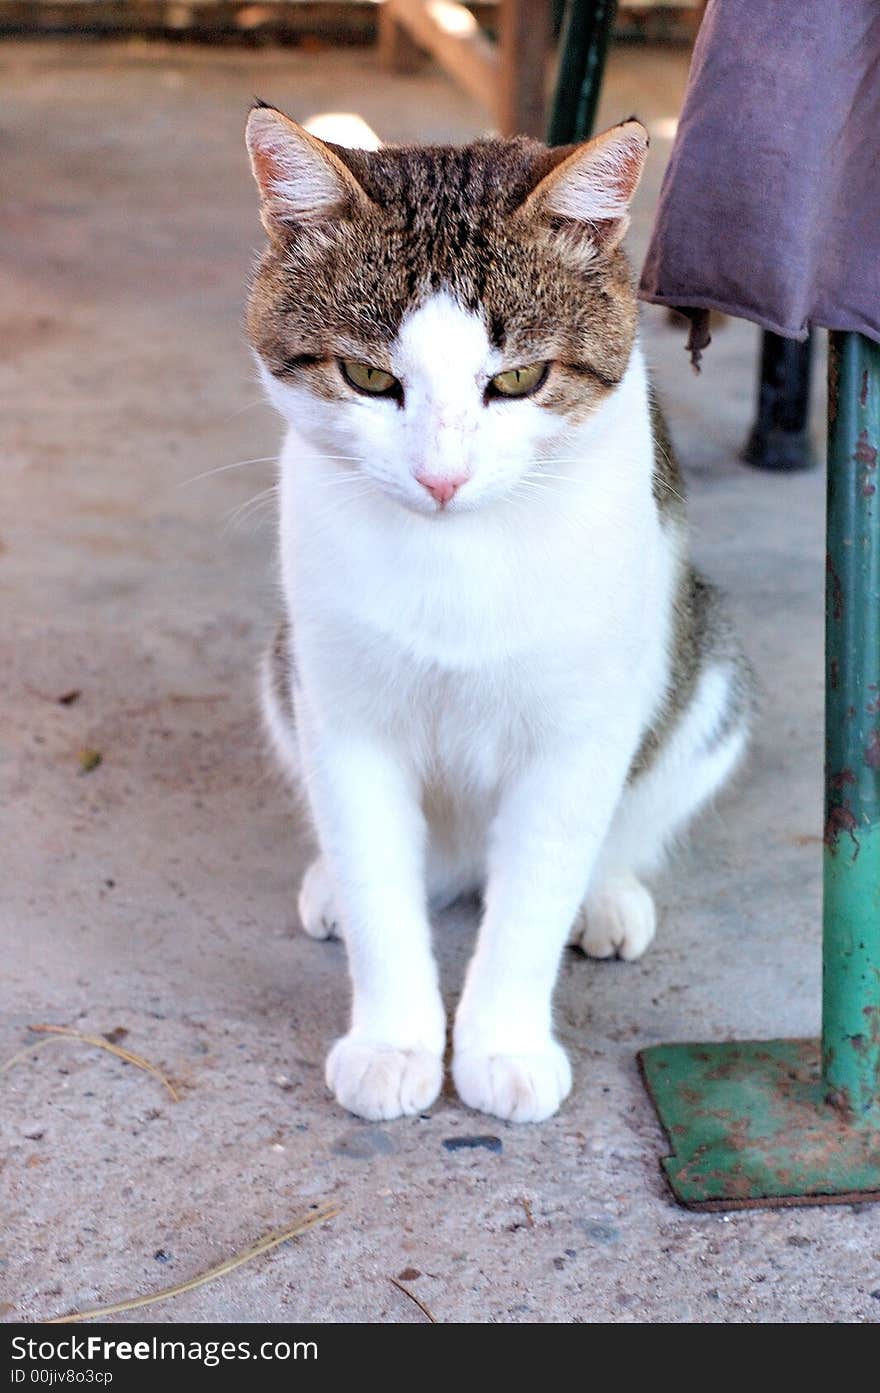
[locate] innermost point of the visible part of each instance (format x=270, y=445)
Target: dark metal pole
x=779, y=439
x=586, y=33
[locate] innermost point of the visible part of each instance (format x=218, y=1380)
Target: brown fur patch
x=702, y=636
x=281, y=667
x=668, y=481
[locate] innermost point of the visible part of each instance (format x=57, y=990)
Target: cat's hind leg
x=616, y=920
x=317, y=902
x=618, y=916
x=317, y=897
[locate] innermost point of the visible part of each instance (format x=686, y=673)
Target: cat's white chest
x=477, y=594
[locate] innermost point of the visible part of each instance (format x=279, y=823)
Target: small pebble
x=362, y=1143
x=599, y=1230
x=89, y=760
x=471, y=1143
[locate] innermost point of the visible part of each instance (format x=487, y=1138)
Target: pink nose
x=441, y=489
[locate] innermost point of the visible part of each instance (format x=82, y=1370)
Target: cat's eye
x=375, y=381
x=518, y=382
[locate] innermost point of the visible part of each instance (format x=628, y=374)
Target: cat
x=498, y=671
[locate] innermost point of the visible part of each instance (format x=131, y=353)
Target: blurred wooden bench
x=508, y=77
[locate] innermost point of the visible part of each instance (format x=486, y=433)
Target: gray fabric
x=770, y=208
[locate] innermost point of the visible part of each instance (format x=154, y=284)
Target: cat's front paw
x=380, y=1081
x=523, y=1087
x=317, y=904
x=616, y=920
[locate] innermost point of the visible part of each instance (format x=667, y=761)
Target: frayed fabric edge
x=698, y=338
x=686, y=306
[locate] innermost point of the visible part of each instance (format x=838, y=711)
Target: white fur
x=473, y=683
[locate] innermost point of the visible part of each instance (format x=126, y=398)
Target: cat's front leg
x=544, y=841
x=372, y=832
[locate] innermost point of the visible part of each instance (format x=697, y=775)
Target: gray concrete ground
x=157, y=892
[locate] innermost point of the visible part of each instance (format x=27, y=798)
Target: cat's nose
x=442, y=490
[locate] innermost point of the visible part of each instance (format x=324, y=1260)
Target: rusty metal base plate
x=749, y=1125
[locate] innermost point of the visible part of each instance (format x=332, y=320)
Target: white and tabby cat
x=498, y=671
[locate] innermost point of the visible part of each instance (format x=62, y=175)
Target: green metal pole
x=798, y=1121
x=792, y=1121
x=586, y=34
x=851, y=946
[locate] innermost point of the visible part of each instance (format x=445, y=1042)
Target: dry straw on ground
x=426, y=1310
x=320, y=1215
x=64, y=1032
x=265, y=1245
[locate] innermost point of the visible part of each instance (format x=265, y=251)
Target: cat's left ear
x=300, y=177
x=594, y=184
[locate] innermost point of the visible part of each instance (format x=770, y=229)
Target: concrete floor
x=157, y=892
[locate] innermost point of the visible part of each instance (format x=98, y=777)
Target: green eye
x=518, y=382
x=375, y=381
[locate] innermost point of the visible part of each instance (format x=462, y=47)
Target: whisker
x=579, y=459
x=322, y=516
x=242, y=508
x=348, y=481
x=319, y=455
x=261, y=459
x=561, y=478
x=549, y=495
x=222, y=468
x=248, y=406
x=250, y=505
x=669, y=487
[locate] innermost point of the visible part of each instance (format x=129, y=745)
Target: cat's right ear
x=301, y=180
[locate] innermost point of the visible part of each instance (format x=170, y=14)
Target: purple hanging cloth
x=770, y=207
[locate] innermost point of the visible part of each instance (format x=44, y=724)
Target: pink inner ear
x=300, y=177
x=266, y=168
x=595, y=182
x=266, y=147
x=629, y=170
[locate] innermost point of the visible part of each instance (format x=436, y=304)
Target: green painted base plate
x=749, y=1125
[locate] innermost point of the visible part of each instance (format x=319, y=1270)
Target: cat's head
x=439, y=319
